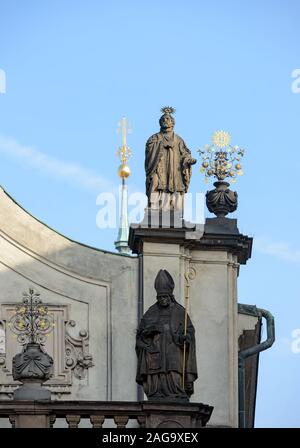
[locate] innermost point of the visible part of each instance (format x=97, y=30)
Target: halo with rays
x=168, y=110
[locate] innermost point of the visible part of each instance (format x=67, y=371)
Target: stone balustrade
x=97, y=414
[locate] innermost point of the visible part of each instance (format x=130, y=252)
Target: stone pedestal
x=31, y=419
x=215, y=253
x=32, y=390
x=170, y=415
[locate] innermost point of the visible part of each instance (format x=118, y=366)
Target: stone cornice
x=218, y=234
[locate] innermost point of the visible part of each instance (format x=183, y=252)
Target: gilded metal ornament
x=221, y=159
x=31, y=321
x=124, y=152
x=168, y=110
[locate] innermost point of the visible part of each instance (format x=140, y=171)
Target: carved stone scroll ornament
x=78, y=358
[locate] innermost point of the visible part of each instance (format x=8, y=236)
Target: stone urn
x=221, y=200
x=32, y=367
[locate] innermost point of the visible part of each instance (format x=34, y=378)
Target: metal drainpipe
x=244, y=354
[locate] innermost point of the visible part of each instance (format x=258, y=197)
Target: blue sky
x=74, y=68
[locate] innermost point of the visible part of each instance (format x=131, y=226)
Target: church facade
x=97, y=299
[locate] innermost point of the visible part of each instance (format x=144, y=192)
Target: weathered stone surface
x=78, y=283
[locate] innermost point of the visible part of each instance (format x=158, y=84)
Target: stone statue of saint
x=159, y=346
x=168, y=166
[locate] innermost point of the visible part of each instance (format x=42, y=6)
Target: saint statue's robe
x=166, y=164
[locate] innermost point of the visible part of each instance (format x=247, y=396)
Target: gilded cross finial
x=124, y=152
